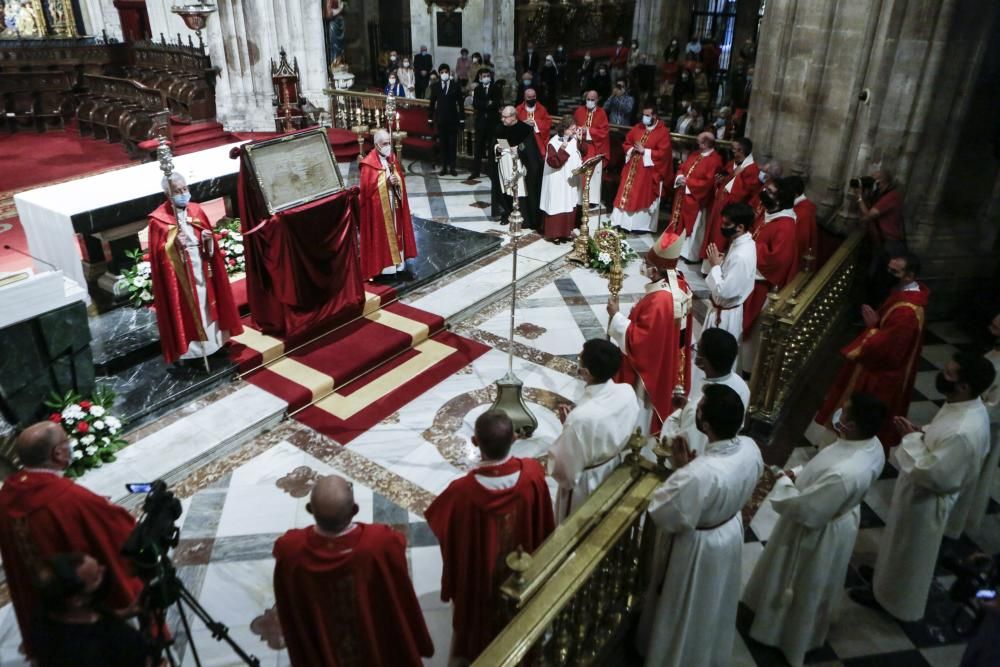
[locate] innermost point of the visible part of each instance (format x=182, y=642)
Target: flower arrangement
x=94, y=433
x=600, y=260
x=138, y=279
x=230, y=241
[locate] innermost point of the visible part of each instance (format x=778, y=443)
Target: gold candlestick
x=361, y=131
x=581, y=246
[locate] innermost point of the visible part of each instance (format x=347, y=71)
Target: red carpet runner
x=345, y=381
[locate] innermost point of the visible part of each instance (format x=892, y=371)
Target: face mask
x=406, y=63
x=591, y=104
x=602, y=72
x=181, y=201
x=944, y=385
x=486, y=81
x=392, y=81
x=385, y=150
x=559, y=49
x=835, y=422
x=445, y=76
x=647, y=120
x=549, y=63
x=526, y=82
x=768, y=200
x=392, y=58
x=476, y=60
x=762, y=176
x=620, y=42
x=530, y=104
x=729, y=232
x=586, y=59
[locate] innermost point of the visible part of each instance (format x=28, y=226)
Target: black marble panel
x=48, y=353
x=123, y=337
x=149, y=389
x=441, y=249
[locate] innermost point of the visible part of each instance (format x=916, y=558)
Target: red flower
x=55, y=417
x=216, y=236
x=82, y=427
x=145, y=257
x=224, y=232
x=85, y=405
x=232, y=262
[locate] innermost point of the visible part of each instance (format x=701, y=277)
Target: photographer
x=882, y=214
x=74, y=630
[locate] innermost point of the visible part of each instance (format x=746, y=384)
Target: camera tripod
x=167, y=589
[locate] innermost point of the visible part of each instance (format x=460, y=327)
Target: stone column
x=101, y=15
x=656, y=22
x=498, y=37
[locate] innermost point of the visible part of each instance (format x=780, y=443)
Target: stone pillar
x=656, y=22
x=242, y=38
x=498, y=36
x=101, y=15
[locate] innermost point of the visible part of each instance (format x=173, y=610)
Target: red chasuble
x=805, y=229
x=384, y=243
x=597, y=122
x=43, y=514
x=655, y=351
x=174, y=294
x=477, y=528
x=745, y=184
x=640, y=186
x=777, y=261
x=700, y=171
x=541, y=118
x=882, y=361
x=348, y=600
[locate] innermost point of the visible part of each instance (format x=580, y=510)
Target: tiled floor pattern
x=235, y=507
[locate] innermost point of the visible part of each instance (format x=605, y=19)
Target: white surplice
x=730, y=285
x=683, y=420
x=590, y=445
x=798, y=581
x=560, y=186
x=691, y=620
x=216, y=337
x=935, y=466
x=991, y=399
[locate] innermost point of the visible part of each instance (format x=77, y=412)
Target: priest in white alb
x=936, y=463
x=596, y=431
x=797, y=583
x=715, y=355
x=984, y=487
x=689, y=617
x=731, y=276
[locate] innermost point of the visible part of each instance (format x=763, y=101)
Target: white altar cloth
x=46, y=213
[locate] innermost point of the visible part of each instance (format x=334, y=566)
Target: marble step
x=123, y=337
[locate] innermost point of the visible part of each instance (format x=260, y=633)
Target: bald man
x=43, y=513
x=343, y=592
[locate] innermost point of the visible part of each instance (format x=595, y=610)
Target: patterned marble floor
x=237, y=502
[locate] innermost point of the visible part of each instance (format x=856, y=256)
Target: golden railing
x=793, y=327
x=572, y=598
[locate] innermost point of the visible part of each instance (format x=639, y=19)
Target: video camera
x=976, y=579
x=156, y=533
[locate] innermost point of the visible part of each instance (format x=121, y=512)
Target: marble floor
x=244, y=471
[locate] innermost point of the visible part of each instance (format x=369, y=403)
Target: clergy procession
x=499, y=333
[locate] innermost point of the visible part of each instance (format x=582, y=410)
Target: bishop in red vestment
x=777, y=252
x=343, y=592
x=43, y=513
x=195, y=310
x=593, y=123
x=805, y=220
x=649, y=163
x=481, y=518
x=882, y=360
x=656, y=336
x=694, y=186
x=387, y=239
x=737, y=185
x=532, y=112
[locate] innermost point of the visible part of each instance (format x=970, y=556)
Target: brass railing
x=569, y=601
x=793, y=326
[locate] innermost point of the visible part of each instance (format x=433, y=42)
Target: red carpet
x=30, y=159
x=345, y=381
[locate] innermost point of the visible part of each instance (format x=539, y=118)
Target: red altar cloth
x=302, y=264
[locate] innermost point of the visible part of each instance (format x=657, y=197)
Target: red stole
x=541, y=118
x=477, y=528
x=383, y=243
x=43, y=514
x=883, y=361
x=777, y=261
x=348, y=600
x=175, y=297
x=745, y=184
x=655, y=353
x=639, y=186
x=699, y=171
x=597, y=122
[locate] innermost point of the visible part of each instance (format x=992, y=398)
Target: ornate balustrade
x=794, y=324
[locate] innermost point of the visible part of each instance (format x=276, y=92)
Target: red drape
x=303, y=266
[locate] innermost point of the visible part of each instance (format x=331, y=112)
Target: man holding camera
x=882, y=214
x=43, y=513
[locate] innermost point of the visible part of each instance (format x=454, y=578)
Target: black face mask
x=768, y=200
x=729, y=232
x=944, y=385
x=530, y=104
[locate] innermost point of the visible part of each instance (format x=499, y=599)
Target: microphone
x=37, y=259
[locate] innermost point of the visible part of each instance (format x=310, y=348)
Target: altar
x=52, y=216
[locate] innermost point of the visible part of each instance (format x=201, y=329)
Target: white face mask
x=762, y=176
x=392, y=81
x=835, y=421
x=445, y=76
x=591, y=104
x=486, y=80
x=385, y=150
x=406, y=63
x=647, y=120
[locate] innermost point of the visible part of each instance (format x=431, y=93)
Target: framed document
x=294, y=169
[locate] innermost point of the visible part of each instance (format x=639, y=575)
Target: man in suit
x=423, y=65
x=487, y=99
x=447, y=113
x=531, y=61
